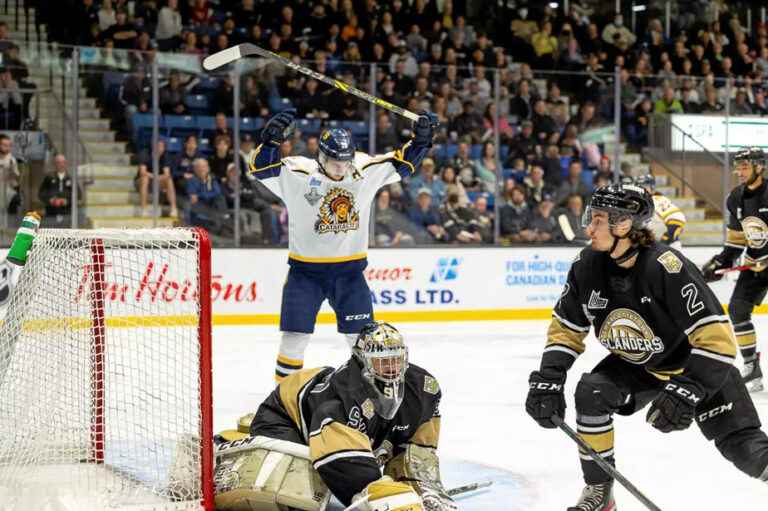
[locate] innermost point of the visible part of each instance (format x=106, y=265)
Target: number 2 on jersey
x=691, y=294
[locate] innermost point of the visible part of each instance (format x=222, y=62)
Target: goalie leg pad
x=387, y=495
x=420, y=467
x=264, y=474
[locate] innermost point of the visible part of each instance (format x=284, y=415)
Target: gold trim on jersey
x=669, y=212
x=335, y=437
x=342, y=259
x=746, y=340
x=290, y=388
x=398, y=155
x=715, y=338
x=559, y=334
x=252, y=162
x=735, y=238
x=666, y=374
x=428, y=434
x=600, y=442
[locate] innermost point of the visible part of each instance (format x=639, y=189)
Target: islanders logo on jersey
x=625, y=333
x=337, y=212
x=755, y=231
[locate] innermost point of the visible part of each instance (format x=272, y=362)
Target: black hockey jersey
x=348, y=441
x=659, y=314
x=748, y=224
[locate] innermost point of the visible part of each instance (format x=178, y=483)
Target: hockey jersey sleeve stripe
x=334, y=438
x=342, y=455
x=572, y=326
x=705, y=321
x=560, y=334
x=265, y=162
x=428, y=434
x=670, y=212
x=714, y=356
x=715, y=339
x=600, y=442
x=290, y=391
x=562, y=348
x=734, y=238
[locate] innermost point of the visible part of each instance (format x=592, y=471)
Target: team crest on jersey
x=313, y=196
x=755, y=231
x=430, y=385
x=368, y=409
x=625, y=333
x=338, y=212
x=670, y=262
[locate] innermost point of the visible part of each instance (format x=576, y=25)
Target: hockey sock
x=597, y=431
x=745, y=336
x=290, y=358
x=350, y=338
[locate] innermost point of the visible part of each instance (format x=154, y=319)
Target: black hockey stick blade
x=607, y=467
x=468, y=488
x=224, y=57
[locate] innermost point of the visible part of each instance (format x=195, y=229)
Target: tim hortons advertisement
x=435, y=284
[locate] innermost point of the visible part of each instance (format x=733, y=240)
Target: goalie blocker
x=375, y=412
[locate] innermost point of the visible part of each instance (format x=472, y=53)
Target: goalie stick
x=607, y=467
x=224, y=57
x=742, y=267
x=459, y=490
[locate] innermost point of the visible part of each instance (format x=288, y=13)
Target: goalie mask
x=337, y=152
x=755, y=158
x=383, y=358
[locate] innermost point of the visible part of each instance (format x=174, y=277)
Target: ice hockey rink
x=483, y=370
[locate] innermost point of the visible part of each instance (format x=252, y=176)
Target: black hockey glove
x=675, y=406
x=276, y=130
x=546, y=396
x=424, y=128
x=711, y=266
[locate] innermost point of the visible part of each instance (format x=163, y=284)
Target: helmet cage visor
x=384, y=369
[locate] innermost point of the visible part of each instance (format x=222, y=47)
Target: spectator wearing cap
x=426, y=180
x=524, y=142
x=515, y=217
x=426, y=217
x=573, y=184
x=123, y=32
x=544, y=224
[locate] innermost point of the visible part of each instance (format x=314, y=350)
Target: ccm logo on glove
x=556, y=387
x=684, y=393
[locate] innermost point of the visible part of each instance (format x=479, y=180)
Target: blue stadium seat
x=358, y=128
x=249, y=124
x=173, y=145
x=206, y=122
x=309, y=126
x=586, y=177
x=207, y=84
x=181, y=126
x=503, y=152
x=564, y=161
x=197, y=104
x=475, y=151
x=278, y=104
x=142, y=129
x=204, y=146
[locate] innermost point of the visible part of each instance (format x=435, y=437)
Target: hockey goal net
x=105, y=375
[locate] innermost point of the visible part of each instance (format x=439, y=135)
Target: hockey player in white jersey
x=329, y=206
x=668, y=221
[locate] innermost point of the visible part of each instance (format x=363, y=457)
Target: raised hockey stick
x=607, y=467
x=224, y=57
x=459, y=490
x=742, y=267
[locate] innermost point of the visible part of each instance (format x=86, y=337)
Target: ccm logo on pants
x=356, y=317
x=715, y=412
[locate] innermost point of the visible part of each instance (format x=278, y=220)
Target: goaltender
x=375, y=411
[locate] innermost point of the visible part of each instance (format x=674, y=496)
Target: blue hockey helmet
x=337, y=144
x=646, y=181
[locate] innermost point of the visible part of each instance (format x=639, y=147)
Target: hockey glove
x=711, y=266
x=675, y=406
x=545, y=396
x=276, y=130
x=424, y=128
x=437, y=501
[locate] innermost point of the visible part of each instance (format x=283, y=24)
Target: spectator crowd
x=554, y=71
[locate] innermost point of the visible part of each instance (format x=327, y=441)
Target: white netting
x=110, y=416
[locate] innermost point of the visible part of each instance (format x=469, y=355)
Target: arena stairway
x=110, y=196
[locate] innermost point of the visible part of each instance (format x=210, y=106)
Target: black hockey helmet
x=753, y=156
x=621, y=201
x=381, y=352
x=337, y=144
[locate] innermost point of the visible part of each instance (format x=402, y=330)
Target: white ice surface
x=483, y=370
